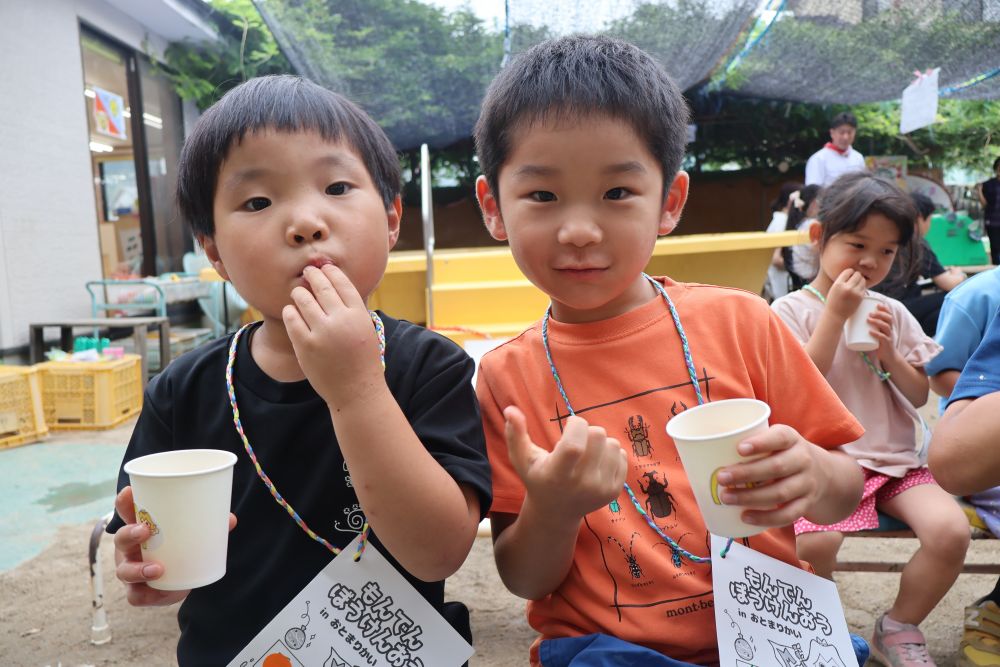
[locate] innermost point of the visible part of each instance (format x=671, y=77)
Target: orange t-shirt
x=628, y=375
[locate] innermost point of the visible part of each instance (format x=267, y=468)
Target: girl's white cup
x=184, y=497
x=706, y=437
x=857, y=331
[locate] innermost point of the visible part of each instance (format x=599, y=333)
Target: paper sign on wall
x=920, y=102
x=890, y=167
x=109, y=113
x=770, y=614
x=362, y=614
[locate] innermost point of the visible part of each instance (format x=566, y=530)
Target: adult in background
x=989, y=197
x=837, y=156
x=903, y=282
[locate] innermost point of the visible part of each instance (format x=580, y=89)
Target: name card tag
x=362, y=614
x=770, y=614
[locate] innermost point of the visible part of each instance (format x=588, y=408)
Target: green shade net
x=867, y=51
x=420, y=68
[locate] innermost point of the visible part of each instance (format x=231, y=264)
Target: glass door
x=136, y=132
x=163, y=131
x=112, y=155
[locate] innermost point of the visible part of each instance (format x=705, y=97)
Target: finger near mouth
x=317, y=264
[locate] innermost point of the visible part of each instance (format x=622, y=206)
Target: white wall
x=48, y=222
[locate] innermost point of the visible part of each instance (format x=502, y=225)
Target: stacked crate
x=22, y=419
x=79, y=395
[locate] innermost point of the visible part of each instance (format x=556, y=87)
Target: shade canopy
x=420, y=67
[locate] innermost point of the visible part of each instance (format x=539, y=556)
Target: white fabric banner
x=920, y=102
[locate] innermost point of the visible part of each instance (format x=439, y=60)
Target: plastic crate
x=21, y=418
x=181, y=341
x=79, y=395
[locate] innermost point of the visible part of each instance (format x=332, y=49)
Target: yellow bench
x=482, y=289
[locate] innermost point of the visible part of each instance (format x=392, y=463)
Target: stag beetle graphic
x=639, y=435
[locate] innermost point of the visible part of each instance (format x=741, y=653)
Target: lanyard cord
x=231, y=390
x=881, y=374
x=674, y=546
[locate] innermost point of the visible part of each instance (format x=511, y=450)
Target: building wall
x=48, y=222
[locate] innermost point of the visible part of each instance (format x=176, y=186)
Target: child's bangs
x=847, y=203
x=293, y=116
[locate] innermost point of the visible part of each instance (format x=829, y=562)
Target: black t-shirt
x=271, y=559
x=991, y=193
x=930, y=267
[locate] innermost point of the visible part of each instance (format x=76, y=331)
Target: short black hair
x=282, y=103
x=925, y=205
x=848, y=201
x=580, y=76
x=996, y=163
x=843, y=118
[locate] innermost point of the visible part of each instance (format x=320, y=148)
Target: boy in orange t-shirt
x=580, y=140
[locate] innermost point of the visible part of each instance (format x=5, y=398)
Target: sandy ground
x=45, y=608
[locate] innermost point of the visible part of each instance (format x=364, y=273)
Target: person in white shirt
x=837, y=157
x=777, y=278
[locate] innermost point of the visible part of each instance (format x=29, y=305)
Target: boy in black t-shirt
x=902, y=282
x=293, y=191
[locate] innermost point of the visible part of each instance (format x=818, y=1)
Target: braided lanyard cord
x=677, y=548
x=881, y=374
x=231, y=390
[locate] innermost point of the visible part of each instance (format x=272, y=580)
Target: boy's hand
x=786, y=482
x=880, y=324
x=129, y=567
x=584, y=471
x=846, y=294
x=333, y=337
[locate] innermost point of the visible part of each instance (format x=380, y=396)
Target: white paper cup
x=857, y=331
x=184, y=498
x=706, y=437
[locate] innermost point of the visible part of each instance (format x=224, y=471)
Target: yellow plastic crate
x=21, y=418
x=80, y=395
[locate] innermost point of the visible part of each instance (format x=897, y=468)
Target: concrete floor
x=67, y=479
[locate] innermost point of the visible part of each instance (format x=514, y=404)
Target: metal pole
x=100, y=631
x=427, y=213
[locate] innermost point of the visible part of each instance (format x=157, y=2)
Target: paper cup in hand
x=857, y=331
x=184, y=498
x=706, y=437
